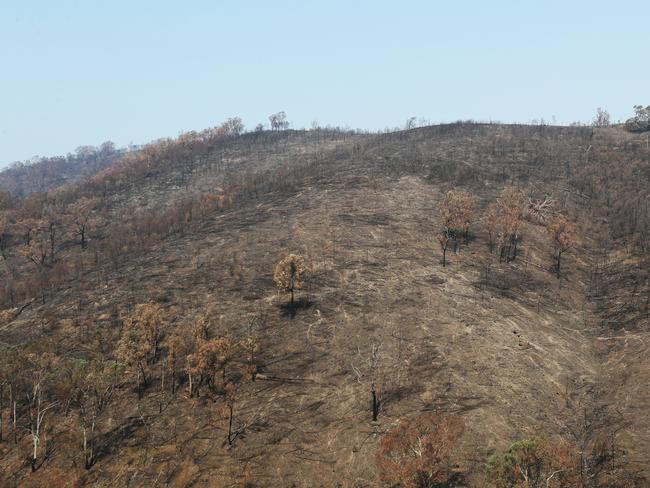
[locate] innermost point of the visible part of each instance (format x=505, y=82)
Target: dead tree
x=371, y=366
x=38, y=406
x=443, y=239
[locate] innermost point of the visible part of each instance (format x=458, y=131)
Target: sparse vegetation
x=541, y=463
x=155, y=273
x=419, y=453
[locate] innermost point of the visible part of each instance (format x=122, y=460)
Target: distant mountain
x=43, y=174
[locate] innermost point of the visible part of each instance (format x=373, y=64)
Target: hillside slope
x=508, y=347
x=44, y=174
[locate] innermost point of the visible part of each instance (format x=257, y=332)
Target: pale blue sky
x=82, y=72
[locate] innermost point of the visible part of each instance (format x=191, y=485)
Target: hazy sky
x=82, y=72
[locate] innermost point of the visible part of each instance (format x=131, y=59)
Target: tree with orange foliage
x=419, y=452
x=179, y=346
x=215, y=356
x=133, y=352
x=512, y=204
x=557, y=463
x=464, y=204
x=210, y=363
x=503, y=221
x=140, y=339
x=288, y=274
x=456, y=215
x=534, y=463
x=447, y=232
x=563, y=234
x=151, y=319
x=184, y=350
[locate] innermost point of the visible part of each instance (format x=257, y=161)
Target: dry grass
x=515, y=353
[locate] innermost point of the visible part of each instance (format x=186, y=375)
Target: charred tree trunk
x=14, y=414
x=2, y=404
x=375, y=404
x=230, y=411
x=162, y=386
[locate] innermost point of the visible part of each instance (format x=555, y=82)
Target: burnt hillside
x=496, y=336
